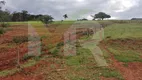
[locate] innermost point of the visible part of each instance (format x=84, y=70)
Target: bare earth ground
x=43, y=70
x=8, y=48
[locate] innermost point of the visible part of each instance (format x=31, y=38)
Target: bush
x=49, y=46
x=2, y=31
x=78, y=44
x=4, y=25
x=20, y=39
x=26, y=57
x=54, y=52
x=60, y=45
x=37, y=58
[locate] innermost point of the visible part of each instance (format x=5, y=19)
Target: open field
x=121, y=48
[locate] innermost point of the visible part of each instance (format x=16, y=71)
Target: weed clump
x=2, y=31
x=54, y=52
x=5, y=25
x=20, y=39
x=59, y=45
x=26, y=57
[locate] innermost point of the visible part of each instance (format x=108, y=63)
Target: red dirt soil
x=8, y=57
x=35, y=72
x=8, y=50
x=22, y=75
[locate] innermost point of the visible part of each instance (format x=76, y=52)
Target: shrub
x=49, y=46
x=20, y=39
x=54, y=52
x=60, y=44
x=26, y=57
x=4, y=25
x=108, y=37
x=37, y=58
x=78, y=44
x=2, y=31
x=44, y=37
x=43, y=52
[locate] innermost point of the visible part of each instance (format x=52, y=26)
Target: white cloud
x=89, y=17
x=123, y=5
x=80, y=0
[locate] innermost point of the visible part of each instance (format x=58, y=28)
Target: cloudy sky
x=118, y=9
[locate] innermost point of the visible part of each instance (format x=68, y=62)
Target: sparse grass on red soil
x=8, y=49
x=121, y=48
x=126, y=59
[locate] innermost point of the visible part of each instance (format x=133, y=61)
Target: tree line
x=6, y=16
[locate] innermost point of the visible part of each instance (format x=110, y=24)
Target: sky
x=77, y=9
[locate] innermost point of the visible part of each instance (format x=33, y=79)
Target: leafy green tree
x=65, y=16
x=16, y=16
x=24, y=15
x=102, y=15
x=46, y=19
x=1, y=31
x=94, y=17
x=5, y=15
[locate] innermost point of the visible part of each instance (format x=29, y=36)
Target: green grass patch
x=17, y=23
x=110, y=73
x=80, y=58
x=125, y=55
x=7, y=72
x=83, y=67
x=29, y=63
x=127, y=30
x=63, y=22
x=85, y=37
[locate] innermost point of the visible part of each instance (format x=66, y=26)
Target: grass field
x=128, y=30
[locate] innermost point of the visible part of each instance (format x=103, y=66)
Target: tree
x=17, y=16
x=4, y=15
x=24, y=15
x=1, y=31
x=46, y=19
x=65, y=16
x=94, y=17
x=84, y=19
x=102, y=15
x=20, y=16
